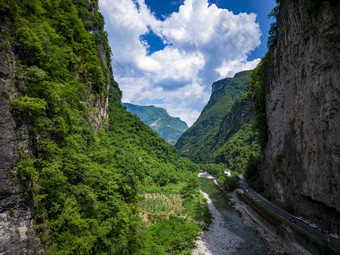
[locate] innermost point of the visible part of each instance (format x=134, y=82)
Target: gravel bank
x=218, y=240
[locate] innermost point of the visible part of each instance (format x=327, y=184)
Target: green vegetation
x=253, y=173
x=257, y=92
x=216, y=170
x=194, y=143
x=171, y=236
x=175, y=234
x=236, y=152
x=236, y=141
x=157, y=206
x=84, y=183
x=168, y=127
x=231, y=183
x=272, y=39
x=224, y=133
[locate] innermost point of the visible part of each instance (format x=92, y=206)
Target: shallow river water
x=252, y=244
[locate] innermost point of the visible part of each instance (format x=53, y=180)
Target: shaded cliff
x=168, y=127
x=302, y=154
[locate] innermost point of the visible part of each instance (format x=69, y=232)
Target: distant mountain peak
x=166, y=126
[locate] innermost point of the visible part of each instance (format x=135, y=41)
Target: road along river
x=227, y=234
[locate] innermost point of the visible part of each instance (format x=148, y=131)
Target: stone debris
x=218, y=240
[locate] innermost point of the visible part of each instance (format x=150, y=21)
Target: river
x=227, y=234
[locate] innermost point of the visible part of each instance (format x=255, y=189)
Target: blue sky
x=163, y=9
x=169, y=52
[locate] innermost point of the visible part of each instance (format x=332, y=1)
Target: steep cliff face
x=302, y=155
x=17, y=235
x=94, y=24
x=15, y=213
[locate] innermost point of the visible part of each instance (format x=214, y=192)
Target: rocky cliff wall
x=15, y=214
x=302, y=156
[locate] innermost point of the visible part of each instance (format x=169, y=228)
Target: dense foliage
x=82, y=183
x=171, y=236
x=168, y=127
x=216, y=170
x=236, y=140
x=257, y=92
x=252, y=173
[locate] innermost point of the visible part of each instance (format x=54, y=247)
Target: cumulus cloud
x=203, y=44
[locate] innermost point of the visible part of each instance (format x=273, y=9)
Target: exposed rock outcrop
x=16, y=235
x=302, y=156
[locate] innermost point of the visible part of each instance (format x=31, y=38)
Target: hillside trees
x=82, y=183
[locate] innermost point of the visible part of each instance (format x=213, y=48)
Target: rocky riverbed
x=218, y=240
x=225, y=235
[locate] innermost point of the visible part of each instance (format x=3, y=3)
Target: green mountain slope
x=80, y=161
x=224, y=93
x=224, y=132
x=236, y=141
x=168, y=127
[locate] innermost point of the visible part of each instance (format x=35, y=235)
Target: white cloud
x=204, y=44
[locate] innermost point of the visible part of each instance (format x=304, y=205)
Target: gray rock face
x=16, y=235
x=303, y=112
x=100, y=111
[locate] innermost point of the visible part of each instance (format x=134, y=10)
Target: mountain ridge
x=168, y=127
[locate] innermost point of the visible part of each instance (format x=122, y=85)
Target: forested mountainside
x=75, y=165
x=298, y=94
x=166, y=126
x=224, y=94
x=224, y=131
x=236, y=141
